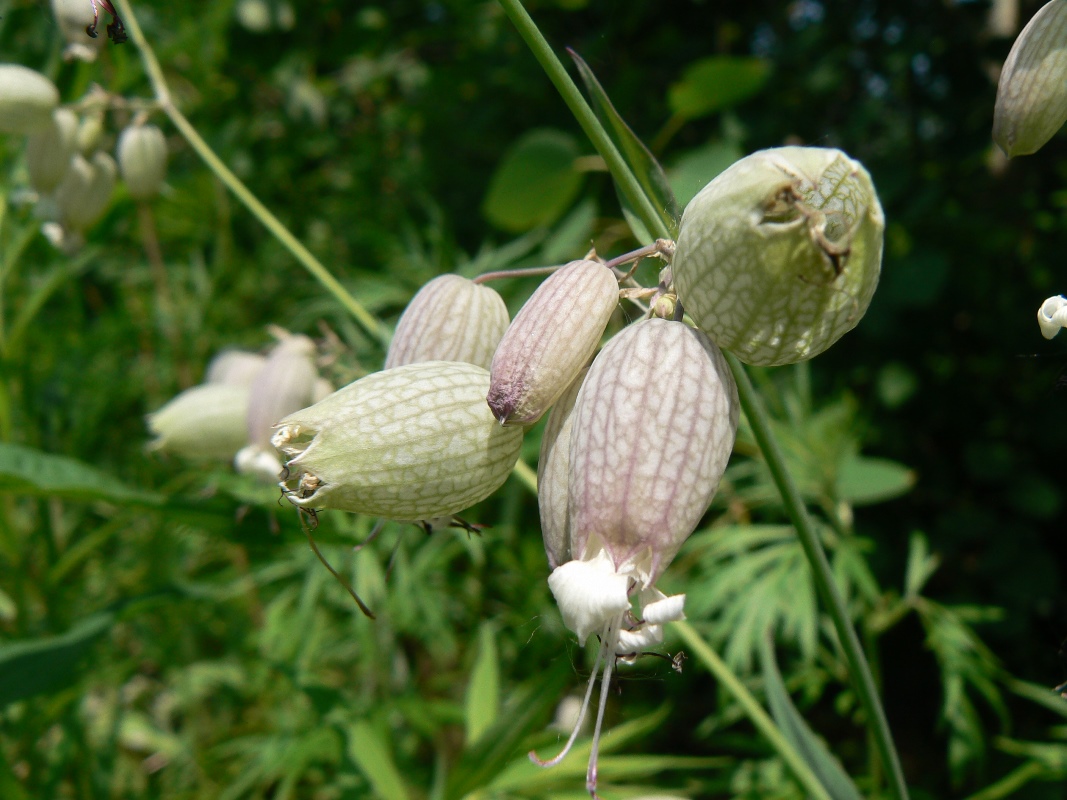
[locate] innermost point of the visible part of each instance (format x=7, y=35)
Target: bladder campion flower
x=652, y=429
x=411, y=443
x=779, y=256
x=1052, y=316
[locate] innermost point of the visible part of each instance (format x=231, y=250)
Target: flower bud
x=779, y=256
x=85, y=192
x=1032, y=93
x=234, y=367
x=204, y=422
x=451, y=318
x=27, y=99
x=553, y=476
x=654, y=425
x=73, y=17
x=284, y=385
x=551, y=339
x=409, y=443
x=49, y=151
x=142, y=155
x=90, y=132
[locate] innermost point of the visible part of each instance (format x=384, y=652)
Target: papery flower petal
x=668, y=609
x=641, y=638
x=589, y=594
x=1052, y=316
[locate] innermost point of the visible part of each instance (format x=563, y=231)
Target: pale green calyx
x=1032, y=92
x=205, y=422
x=142, y=157
x=779, y=256
x=550, y=340
x=85, y=192
x=27, y=99
x=409, y=443
x=50, y=150
x=451, y=318
x=1052, y=316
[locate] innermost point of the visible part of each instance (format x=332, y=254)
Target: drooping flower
x=652, y=429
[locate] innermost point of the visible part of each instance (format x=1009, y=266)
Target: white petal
x=640, y=638
x=589, y=594
x=669, y=609
x=1052, y=316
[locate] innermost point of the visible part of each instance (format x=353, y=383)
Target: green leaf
x=33, y=666
x=371, y=754
x=24, y=470
x=810, y=747
x=535, y=183
x=865, y=481
x=483, y=691
x=642, y=163
x=715, y=83
x=528, y=708
x=921, y=565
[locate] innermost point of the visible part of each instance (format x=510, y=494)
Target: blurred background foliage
x=166, y=631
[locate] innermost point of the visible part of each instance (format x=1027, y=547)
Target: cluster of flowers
x=776, y=259
x=72, y=175
x=231, y=415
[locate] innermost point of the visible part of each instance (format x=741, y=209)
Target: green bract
x=410, y=443
x=779, y=256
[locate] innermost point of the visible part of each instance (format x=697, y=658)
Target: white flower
x=1052, y=316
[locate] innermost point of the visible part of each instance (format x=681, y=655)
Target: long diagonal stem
x=365, y=319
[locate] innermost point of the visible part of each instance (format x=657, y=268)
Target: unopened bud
x=553, y=476
x=85, y=192
x=1032, y=93
x=90, y=132
x=27, y=99
x=284, y=385
x=204, y=422
x=50, y=150
x=234, y=367
x=551, y=339
x=451, y=318
x=779, y=256
x=142, y=156
x=410, y=443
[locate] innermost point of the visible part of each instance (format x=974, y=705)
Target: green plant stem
x=763, y=722
x=572, y=96
x=862, y=679
x=163, y=97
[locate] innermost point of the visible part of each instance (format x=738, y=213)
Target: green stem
x=1012, y=782
x=717, y=667
x=862, y=679
x=162, y=91
x=572, y=96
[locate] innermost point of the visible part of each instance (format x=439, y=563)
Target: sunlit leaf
x=483, y=691
x=693, y=170
x=642, y=163
x=863, y=480
x=715, y=83
x=810, y=747
x=371, y=753
x=535, y=183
